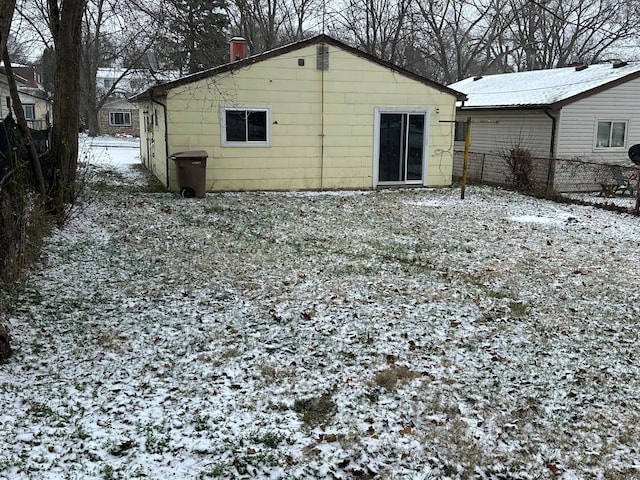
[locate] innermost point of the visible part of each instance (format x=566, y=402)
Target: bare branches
x=452, y=39
x=6, y=16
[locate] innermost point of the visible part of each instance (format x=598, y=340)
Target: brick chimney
x=237, y=49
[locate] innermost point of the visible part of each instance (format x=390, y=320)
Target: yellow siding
x=152, y=143
x=305, y=103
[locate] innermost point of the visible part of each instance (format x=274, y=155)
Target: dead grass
x=389, y=378
x=315, y=410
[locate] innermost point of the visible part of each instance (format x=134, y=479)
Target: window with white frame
x=120, y=119
x=245, y=126
x=29, y=111
x=611, y=134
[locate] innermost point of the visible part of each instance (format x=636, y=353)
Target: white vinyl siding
x=495, y=131
x=579, y=123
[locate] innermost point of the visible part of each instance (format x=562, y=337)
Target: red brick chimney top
x=237, y=49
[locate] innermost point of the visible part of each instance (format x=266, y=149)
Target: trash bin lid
x=190, y=154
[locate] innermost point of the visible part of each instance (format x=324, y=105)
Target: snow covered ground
x=399, y=334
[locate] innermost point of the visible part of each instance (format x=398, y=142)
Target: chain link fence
x=612, y=186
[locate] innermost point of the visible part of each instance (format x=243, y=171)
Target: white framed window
x=245, y=126
x=611, y=134
x=120, y=119
x=29, y=111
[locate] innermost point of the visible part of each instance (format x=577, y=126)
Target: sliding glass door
x=401, y=147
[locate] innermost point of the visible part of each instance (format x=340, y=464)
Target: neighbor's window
x=245, y=126
x=611, y=134
x=120, y=119
x=29, y=111
x=461, y=132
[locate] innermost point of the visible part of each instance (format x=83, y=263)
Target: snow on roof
x=542, y=87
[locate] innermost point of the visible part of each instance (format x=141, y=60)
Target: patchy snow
x=394, y=334
x=561, y=218
x=110, y=151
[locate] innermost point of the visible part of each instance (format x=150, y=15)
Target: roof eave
x=598, y=89
x=507, y=107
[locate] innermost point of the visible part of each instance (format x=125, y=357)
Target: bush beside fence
x=551, y=178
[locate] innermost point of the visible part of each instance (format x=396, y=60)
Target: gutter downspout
x=324, y=59
x=552, y=149
x=166, y=134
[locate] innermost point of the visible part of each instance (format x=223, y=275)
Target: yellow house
x=316, y=114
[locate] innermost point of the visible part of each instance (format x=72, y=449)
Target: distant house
x=37, y=108
x=585, y=111
x=316, y=114
x=36, y=102
x=119, y=117
x=4, y=95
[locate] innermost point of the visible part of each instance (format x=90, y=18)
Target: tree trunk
x=34, y=158
x=5, y=338
x=91, y=116
x=66, y=27
x=6, y=15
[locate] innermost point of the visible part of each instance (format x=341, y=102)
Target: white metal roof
x=541, y=87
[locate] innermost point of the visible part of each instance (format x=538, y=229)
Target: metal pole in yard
x=637, y=175
x=465, y=161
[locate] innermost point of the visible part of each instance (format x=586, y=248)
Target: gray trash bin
x=191, y=173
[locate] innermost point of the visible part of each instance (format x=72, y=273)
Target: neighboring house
x=119, y=117
x=116, y=116
x=107, y=77
x=37, y=108
x=4, y=95
x=586, y=111
x=36, y=102
x=316, y=114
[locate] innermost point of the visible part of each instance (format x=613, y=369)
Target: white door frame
x=378, y=111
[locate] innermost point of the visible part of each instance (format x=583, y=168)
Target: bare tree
x=65, y=22
x=260, y=22
x=34, y=158
x=462, y=38
x=302, y=18
x=119, y=36
x=378, y=27
x=19, y=49
x=7, y=8
x=553, y=33
x=91, y=56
